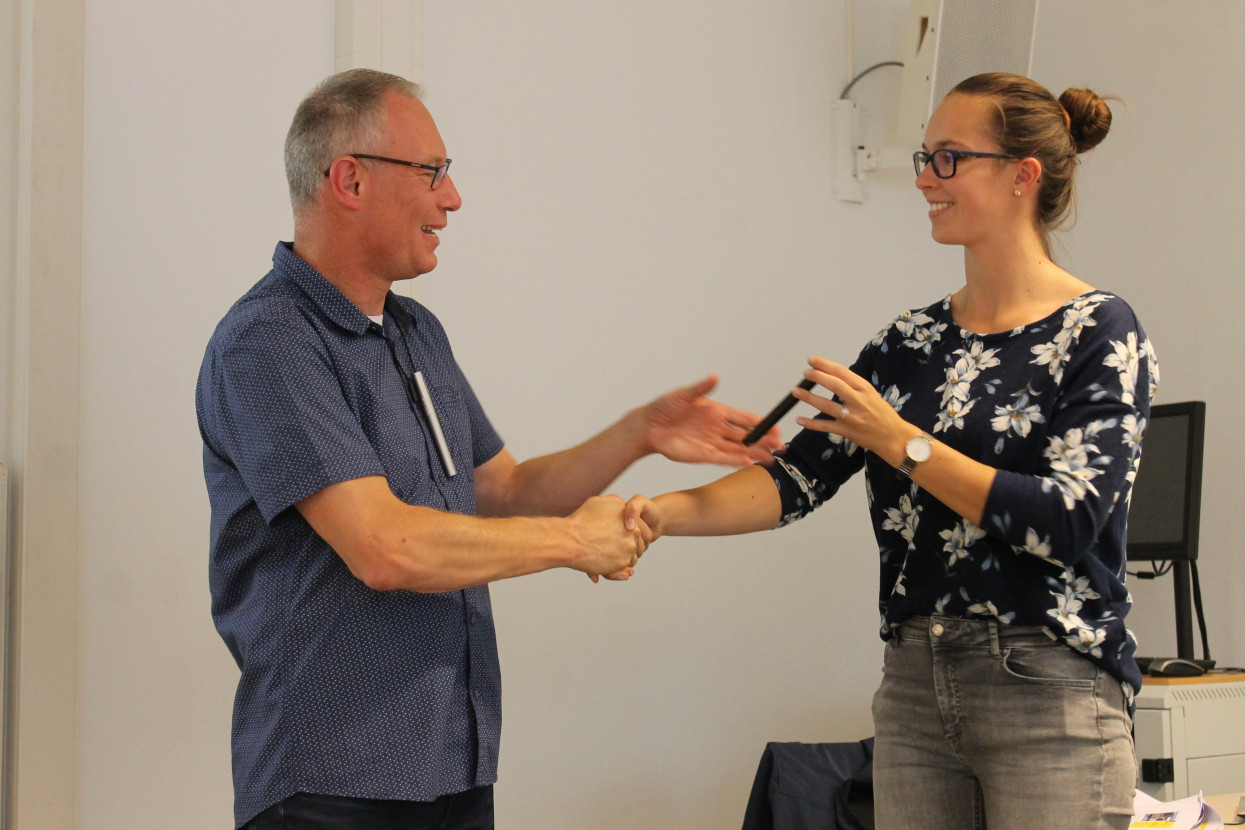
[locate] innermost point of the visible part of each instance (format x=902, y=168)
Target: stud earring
x=1017, y=192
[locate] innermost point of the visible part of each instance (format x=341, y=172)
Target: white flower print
x=1078, y=586
x=1065, y=614
x=1087, y=640
x=909, y=321
x=1127, y=360
x=1047, y=355
x=1152, y=366
x=1134, y=428
x=968, y=366
x=1019, y=418
x=892, y=397
x=919, y=330
x=903, y=519
x=807, y=488
x=1076, y=318
x=969, y=363
x=981, y=357
x=952, y=415
x=988, y=609
x=1073, y=459
x=959, y=539
x=1039, y=547
x=923, y=339
x=835, y=441
x=1071, y=593
x=955, y=389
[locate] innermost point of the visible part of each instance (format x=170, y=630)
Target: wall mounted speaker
x=950, y=40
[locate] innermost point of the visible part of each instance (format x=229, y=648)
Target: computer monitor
x=1165, y=512
x=1164, y=515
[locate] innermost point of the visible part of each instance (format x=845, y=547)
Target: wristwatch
x=917, y=450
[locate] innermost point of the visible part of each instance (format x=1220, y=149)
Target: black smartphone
x=784, y=406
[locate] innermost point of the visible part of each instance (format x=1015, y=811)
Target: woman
x=1000, y=432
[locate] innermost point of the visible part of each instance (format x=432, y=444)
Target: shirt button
x=475, y=693
x=442, y=479
x=475, y=618
x=938, y=629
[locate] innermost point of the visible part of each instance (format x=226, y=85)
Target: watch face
x=919, y=449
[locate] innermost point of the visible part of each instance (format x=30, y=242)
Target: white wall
x=186, y=111
x=1159, y=223
x=647, y=199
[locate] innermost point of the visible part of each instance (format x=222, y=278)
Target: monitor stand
x=1183, y=585
x=1143, y=663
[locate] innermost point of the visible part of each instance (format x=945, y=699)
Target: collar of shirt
x=331, y=302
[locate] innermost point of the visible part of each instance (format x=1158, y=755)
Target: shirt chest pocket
x=451, y=413
x=396, y=429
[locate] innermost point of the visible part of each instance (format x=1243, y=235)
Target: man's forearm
x=683, y=425
x=558, y=483
x=390, y=545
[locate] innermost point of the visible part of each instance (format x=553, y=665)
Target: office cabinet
x=1190, y=735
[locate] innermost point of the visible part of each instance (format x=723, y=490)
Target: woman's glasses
x=944, y=161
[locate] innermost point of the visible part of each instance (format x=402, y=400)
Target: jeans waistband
x=953, y=631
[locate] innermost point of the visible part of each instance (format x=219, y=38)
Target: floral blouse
x=1058, y=407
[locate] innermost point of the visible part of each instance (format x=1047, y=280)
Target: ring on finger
x=843, y=411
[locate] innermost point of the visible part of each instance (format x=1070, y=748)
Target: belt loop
x=995, y=650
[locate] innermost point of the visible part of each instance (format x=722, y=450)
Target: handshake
x=612, y=535
x=608, y=536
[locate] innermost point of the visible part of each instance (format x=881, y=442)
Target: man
x=362, y=502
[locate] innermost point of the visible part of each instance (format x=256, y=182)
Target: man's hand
x=686, y=426
x=611, y=545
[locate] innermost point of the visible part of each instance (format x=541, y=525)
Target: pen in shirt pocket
x=430, y=412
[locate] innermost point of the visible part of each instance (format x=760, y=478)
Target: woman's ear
x=1028, y=175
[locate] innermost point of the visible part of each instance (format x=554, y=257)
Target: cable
x=848, y=88
x=1156, y=570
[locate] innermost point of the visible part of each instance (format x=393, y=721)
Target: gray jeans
x=986, y=725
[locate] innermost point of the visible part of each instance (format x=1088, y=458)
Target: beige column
x=42, y=396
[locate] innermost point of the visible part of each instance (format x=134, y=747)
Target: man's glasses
x=944, y=160
x=438, y=172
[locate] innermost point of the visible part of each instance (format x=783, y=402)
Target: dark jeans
x=471, y=810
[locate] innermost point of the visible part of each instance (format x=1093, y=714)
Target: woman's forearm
x=742, y=502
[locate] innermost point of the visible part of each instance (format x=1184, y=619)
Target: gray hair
x=344, y=114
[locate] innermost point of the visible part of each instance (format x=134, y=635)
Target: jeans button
x=938, y=629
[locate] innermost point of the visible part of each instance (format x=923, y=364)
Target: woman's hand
x=644, y=512
x=860, y=414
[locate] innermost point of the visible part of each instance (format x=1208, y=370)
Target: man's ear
x=345, y=182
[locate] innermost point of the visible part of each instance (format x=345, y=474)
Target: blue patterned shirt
x=344, y=690
x=1058, y=407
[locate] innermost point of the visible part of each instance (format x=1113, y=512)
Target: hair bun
x=1088, y=116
